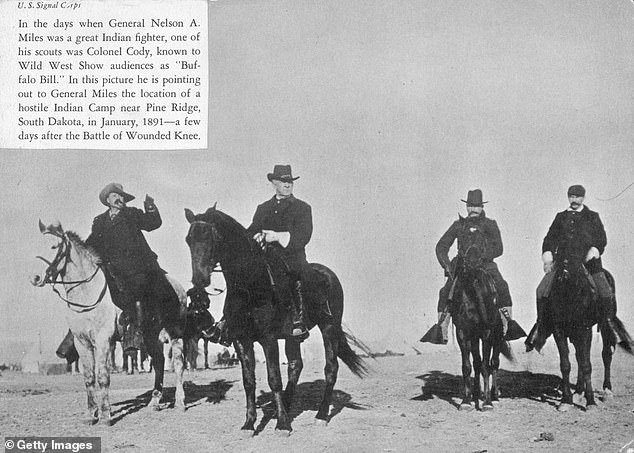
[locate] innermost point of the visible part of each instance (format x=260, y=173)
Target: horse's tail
x=356, y=364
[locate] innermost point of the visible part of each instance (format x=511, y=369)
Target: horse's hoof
x=487, y=407
x=607, y=395
x=591, y=407
x=282, y=432
x=90, y=421
x=564, y=407
x=91, y=418
x=105, y=421
x=321, y=422
x=578, y=398
x=465, y=407
x=247, y=433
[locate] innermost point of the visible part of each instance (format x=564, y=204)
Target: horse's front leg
x=102, y=357
x=272, y=354
x=564, y=365
x=295, y=366
x=486, y=372
x=465, y=351
x=478, y=370
x=87, y=356
x=244, y=350
x=583, y=345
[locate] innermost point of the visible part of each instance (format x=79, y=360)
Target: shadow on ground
x=308, y=396
x=195, y=394
x=512, y=384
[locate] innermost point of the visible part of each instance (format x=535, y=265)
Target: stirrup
x=300, y=332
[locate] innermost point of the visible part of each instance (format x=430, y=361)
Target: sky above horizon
x=389, y=112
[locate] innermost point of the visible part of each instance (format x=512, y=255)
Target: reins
x=52, y=273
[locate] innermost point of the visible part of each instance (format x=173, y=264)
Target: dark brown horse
x=254, y=313
x=572, y=311
x=478, y=323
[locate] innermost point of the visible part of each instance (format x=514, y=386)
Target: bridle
x=54, y=275
x=216, y=268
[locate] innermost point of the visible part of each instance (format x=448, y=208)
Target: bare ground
x=408, y=403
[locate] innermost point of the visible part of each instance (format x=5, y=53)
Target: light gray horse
x=77, y=278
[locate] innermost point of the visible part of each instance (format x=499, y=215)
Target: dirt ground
x=407, y=403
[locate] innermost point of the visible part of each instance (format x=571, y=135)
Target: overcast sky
x=389, y=112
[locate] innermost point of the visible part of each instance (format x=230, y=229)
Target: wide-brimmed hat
x=577, y=190
x=282, y=173
x=116, y=188
x=474, y=198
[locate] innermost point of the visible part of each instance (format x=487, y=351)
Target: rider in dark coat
x=134, y=275
x=285, y=224
x=578, y=233
x=459, y=230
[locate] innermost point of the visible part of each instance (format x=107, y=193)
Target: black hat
x=474, y=198
x=116, y=188
x=282, y=173
x=577, y=190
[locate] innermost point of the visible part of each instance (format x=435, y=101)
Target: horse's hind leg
x=606, y=355
x=495, y=365
x=244, y=349
x=88, y=369
x=295, y=366
x=155, y=349
x=486, y=374
x=178, y=361
x=330, y=335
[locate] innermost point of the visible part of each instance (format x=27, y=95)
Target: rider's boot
x=218, y=333
x=443, y=321
x=298, y=311
x=510, y=327
x=615, y=328
x=540, y=332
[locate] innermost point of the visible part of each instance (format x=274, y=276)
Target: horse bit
x=54, y=271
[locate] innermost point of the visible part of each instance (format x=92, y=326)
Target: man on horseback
x=132, y=270
x=283, y=225
x=575, y=232
x=461, y=229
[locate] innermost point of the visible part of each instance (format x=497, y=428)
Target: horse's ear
x=189, y=215
x=211, y=210
x=42, y=227
x=56, y=227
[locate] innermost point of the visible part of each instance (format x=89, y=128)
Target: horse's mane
x=81, y=245
x=227, y=222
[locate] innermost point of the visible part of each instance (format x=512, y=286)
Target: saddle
x=280, y=277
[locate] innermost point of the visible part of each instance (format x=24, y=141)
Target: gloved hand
x=593, y=253
x=281, y=237
x=148, y=203
x=259, y=238
x=547, y=259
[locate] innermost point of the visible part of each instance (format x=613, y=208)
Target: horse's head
x=205, y=242
x=473, y=249
x=569, y=274
x=56, y=267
